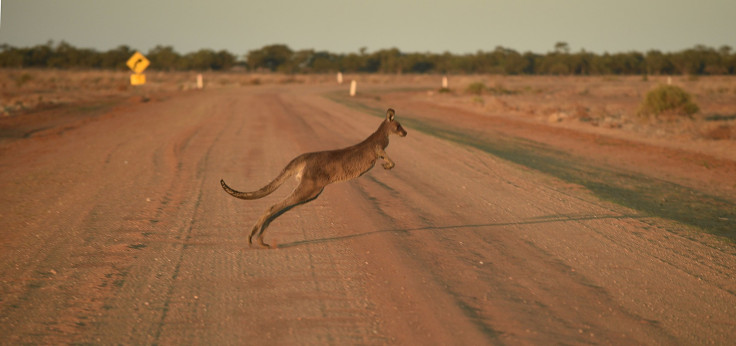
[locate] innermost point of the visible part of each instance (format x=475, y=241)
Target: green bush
x=476, y=88
x=667, y=99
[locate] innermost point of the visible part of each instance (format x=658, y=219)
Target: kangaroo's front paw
x=388, y=165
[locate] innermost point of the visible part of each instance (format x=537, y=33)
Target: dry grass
x=605, y=101
x=28, y=89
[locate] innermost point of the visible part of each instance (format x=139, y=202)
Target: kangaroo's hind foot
x=306, y=191
x=260, y=238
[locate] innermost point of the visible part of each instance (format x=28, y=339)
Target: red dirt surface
x=114, y=229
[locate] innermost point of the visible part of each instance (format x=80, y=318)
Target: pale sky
x=344, y=26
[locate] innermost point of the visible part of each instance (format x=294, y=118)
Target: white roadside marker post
x=353, y=87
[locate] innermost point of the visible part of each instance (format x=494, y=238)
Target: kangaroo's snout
x=400, y=130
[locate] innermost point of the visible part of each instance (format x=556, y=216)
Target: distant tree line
x=64, y=56
x=699, y=60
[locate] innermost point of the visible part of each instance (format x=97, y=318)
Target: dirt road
x=114, y=229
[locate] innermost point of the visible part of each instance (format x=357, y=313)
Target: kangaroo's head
x=393, y=125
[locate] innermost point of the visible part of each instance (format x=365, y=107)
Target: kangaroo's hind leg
x=303, y=193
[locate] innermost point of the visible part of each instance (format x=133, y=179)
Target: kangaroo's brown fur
x=316, y=170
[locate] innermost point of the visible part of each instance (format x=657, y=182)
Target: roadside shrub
x=476, y=88
x=23, y=79
x=667, y=99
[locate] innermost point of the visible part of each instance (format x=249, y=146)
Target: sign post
x=138, y=63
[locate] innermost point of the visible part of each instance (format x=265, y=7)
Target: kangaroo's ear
x=390, y=114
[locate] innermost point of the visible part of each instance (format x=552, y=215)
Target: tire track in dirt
x=174, y=200
x=186, y=233
x=69, y=247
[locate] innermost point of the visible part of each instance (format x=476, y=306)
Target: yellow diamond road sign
x=138, y=62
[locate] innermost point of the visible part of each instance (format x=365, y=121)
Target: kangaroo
x=316, y=170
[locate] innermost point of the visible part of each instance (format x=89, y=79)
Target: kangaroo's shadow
x=530, y=221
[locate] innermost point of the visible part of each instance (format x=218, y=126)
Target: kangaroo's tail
x=288, y=172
